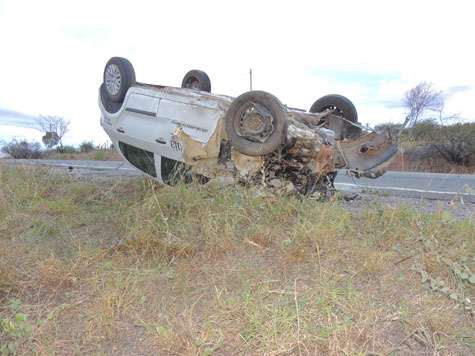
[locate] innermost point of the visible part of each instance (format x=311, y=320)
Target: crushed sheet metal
x=304, y=164
x=247, y=166
x=368, y=156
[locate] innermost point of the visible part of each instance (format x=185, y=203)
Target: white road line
x=87, y=167
x=403, y=189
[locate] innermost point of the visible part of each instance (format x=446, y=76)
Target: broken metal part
x=327, y=136
x=367, y=156
x=339, y=125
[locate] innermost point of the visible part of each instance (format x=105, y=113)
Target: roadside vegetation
x=431, y=139
x=87, y=151
x=111, y=267
x=428, y=146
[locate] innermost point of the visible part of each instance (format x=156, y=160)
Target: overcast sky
x=53, y=53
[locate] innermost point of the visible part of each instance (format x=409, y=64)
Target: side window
x=139, y=158
x=172, y=171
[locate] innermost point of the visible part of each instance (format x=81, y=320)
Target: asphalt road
x=442, y=186
x=409, y=184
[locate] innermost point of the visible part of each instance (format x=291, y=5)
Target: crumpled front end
x=306, y=163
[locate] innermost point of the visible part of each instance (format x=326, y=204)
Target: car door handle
x=159, y=140
x=121, y=130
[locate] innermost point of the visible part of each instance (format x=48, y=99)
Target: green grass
x=111, y=267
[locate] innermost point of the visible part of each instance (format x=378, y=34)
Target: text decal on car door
x=176, y=145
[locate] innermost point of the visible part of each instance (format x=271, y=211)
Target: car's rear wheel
x=343, y=108
x=119, y=76
x=256, y=123
x=196, y=79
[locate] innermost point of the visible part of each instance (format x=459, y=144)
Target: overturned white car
x=189, y=133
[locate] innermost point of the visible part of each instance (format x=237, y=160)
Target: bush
x=100, y=156
x=66, y=149
x=23, y=149
x=455, y=143
x=86, y=146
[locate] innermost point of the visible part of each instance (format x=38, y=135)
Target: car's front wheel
x=119, y=76
x=256, y=123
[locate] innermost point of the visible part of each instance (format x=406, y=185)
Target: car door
x=197, y=119
x=135, y=129
x=137, y=123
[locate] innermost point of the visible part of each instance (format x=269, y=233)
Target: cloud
x=371, y=52
x=16, y=119
x=455, y=89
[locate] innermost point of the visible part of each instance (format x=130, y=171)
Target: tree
x=418, y=100
x=50, y=139
x=430, y=124
x=54, y=127
x=86, y=146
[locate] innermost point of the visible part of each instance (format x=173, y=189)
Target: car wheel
x=196, y=79
x=343, y=106
x=119, y=76
x=256, y=123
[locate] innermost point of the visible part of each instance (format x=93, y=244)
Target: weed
x=100, y=156
x=14, y=329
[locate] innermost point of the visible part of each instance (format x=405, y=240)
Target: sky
x=53, y=53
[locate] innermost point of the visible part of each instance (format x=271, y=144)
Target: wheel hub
x=256, y=123
x=253, y=123
x=192, y=83
x=113, y=79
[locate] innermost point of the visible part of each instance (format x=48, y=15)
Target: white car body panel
x=154, y=133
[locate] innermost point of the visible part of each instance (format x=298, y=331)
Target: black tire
x=196, y=79
x=119, y=76
x=256, y=123
x=110, y=106
x=343, y=105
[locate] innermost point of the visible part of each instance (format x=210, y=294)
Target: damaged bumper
x=368, y=156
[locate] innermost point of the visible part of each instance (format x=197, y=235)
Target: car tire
x=119, y=76
x=256, y=123
x=198, y=80
x=343, y=105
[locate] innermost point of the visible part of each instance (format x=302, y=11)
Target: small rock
x=276, y=183
x=289, y=188
x=221, y=181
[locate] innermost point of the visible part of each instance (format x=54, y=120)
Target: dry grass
x=113, y=267
x=101, y=155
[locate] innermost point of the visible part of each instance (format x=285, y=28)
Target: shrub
x=66, y=149
x=23, y=149
x=86, y=146
x=100, y=156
